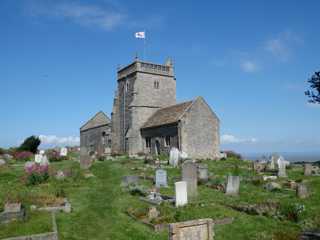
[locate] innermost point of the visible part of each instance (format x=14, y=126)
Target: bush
x=30, y=144
x=36, y=173
x=54, y=156
x=23, y=156
x=2, y=151
x=292, y=211
x=232, y=154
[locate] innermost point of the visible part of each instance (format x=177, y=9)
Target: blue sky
x=250, y=60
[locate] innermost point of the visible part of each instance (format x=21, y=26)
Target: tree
x=314, y=92
x=30, y=144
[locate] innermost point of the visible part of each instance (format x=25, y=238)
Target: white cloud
x=248, y=66
x=59, y=141
x=228, y=138
x=313, y=105
x=281, y=46
x=104, y=17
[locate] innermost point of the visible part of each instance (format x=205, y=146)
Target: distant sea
x=290, y=156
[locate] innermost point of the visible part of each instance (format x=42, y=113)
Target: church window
x=127, y=86
x=167, y=141
x=156, y=84
x=148, y=142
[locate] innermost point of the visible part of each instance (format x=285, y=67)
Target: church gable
x=97, y=120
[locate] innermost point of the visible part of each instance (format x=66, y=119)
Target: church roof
x=167, y=115
x=97, y=120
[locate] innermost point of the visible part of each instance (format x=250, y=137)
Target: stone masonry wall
x=199, y=131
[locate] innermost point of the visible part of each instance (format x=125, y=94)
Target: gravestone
x=38, y=158
x=41, y=152
x=2, y=162
x=233, y=185
x=203, y=175
x=282, y=168
x=200, y=229
x=129, y=180
x=259, y=167
x=161, y=178
x=302, y=191
x=85, y=159
x=63, y=152
x=273, y=162
x=174, y=157
x=181, y=193
x=190, y=175
x=308, y=169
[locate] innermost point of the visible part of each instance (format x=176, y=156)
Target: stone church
x=147, y=119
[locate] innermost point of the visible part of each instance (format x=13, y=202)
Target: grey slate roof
x=97, y=120
x=167, y=115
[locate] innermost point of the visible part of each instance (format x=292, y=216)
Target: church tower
x=143, y=88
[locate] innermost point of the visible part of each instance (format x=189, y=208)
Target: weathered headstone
x=200, y=229
x=273, y=162
x=174, y=157
x=302, y=191
x=203, y=174
x=233, y=185
x=190, y=175
x=129, y=180
x=38, y=158
x=85, y=159
x=153, y=213
x=63, y=152
x=308, y=169
x=181, y=193
x=282, y=168
x=161, y=178
x=2, y=162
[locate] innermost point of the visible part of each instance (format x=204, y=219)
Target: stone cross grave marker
x=203, y=174
x=200, y=229
x=190, y=175
x=63, y=152
x=161, y=178
x=181, y=193
x=233, y=185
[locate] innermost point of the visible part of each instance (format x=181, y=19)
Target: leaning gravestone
x=282, y=168
x=161, y=178
x=203, y=175
x=64, y=152
x=308, y=169
x=174, y=157
x=181, y=193
x=200, y=229
x=190, y=175
x=85, y=159
x=233, y=185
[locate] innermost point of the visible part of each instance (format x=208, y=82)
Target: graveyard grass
x=99, y=204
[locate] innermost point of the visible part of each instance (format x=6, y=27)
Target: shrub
x=30, y=144
x=54, y=156
x=2, y=151
x=292, y=211
x=23, y=156
x=36, y=173
x=232, y=154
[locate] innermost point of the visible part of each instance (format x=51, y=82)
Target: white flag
x=140, y=35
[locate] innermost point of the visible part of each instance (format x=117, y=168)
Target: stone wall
x=199, y=131
x=93, y=140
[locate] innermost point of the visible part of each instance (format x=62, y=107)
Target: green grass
x=100, y=205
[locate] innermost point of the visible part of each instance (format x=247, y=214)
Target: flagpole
x=144, y=46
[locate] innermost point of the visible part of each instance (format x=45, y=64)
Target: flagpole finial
x=136, y=57
x=169, y=62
